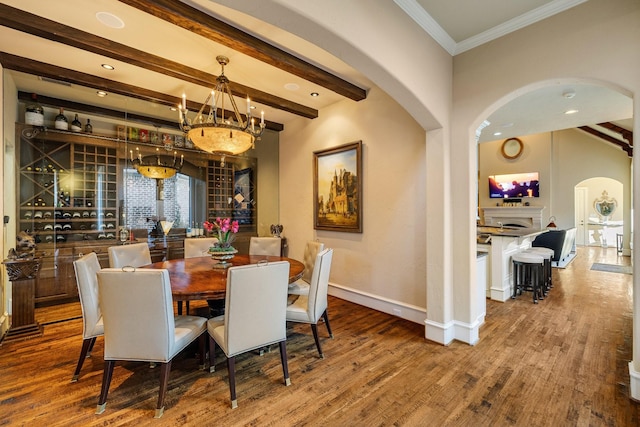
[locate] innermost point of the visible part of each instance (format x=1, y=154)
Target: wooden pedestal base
x=22, y=274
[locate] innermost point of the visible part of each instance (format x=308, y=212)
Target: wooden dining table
x=197, y=279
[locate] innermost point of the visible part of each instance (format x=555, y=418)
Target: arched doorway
x=594, y=226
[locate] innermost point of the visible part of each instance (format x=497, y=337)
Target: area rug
x=611, y=268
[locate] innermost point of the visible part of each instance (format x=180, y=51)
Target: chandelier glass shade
x=157, y=167
x=218, y=127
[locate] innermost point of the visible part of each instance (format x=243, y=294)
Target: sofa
x=561, y=241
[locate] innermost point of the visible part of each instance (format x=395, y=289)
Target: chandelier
x=156, y=167
x=216, y=132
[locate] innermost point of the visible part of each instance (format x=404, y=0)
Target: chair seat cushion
x=299, y=287
x=187, y=329
x=297, y=312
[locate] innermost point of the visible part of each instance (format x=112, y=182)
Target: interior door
x=581, y=216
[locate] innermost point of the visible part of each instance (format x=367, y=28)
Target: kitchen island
x=504, y=242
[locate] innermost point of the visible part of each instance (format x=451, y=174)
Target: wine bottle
x=61, y=121
x=188, y=230
x=88, y=128
x=76, y=126
x=34, y=113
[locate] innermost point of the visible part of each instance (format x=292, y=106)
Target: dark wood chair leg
x=106, y=382
x=202, y=348
x=314, y=329
x=165, y=368
x=180, y=308
x=325, y=316
x=231, y=367
x=87, y=344
x=93, y=342
x=186, y=304
x=212, y=354
x=285, y=366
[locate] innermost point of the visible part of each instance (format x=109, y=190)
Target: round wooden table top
x=196, y=279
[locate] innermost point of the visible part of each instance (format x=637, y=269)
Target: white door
x=581, y=215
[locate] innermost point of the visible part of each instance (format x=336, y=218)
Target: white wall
x=388, y=259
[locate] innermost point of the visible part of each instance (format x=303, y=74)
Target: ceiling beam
x=625, y=147
x=626, y=134
x=41, y=27
x=196, y=21
x=24, y=65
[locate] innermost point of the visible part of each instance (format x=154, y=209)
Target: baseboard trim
x=4, y=325
x=405, y=311
x=434, y=331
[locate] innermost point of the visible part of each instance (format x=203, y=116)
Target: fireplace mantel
x=525, y=216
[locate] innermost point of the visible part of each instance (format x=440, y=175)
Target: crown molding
x=427, y=23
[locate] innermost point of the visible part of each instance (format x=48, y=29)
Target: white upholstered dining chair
x=310, y=308
x=301, y=286
x=139, y=324
x=86, y=269
x=265, y=246
x=135, y=255
x=197, y=247
x=256, y=304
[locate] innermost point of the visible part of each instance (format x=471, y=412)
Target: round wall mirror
x=512, y=148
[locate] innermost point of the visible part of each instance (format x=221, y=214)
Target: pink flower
x=235, y=227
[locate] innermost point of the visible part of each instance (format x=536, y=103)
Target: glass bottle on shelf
x=188, y=230
x=61, y=121
x=88, y=128
x=34, y=113
x=76, y=126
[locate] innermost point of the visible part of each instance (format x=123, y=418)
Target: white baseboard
x=406, y=311
x=634, y=377
x=437, y=332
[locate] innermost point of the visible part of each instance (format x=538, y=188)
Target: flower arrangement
x=226, y=232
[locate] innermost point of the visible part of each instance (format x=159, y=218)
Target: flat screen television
x=514, y=185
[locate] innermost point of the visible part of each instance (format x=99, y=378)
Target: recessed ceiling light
x=314, y=94
x=108, y=67
x=101, y=93
x=110, y=20
x=253, y=107
x=292, y=86
x=568, y=94
x=571, y=111
x=173, y=109
x=497, y=133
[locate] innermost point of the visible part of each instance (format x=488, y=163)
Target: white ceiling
x=481, y=22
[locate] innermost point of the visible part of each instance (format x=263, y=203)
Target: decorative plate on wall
x=512, y=148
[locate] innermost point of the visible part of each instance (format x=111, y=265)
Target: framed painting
x=337, y=188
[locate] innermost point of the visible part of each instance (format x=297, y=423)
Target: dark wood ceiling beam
x=196, y=21
x=626, y=147
x=626, y=134
x=41, y=27
x=18, y=63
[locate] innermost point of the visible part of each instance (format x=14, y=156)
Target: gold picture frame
x=337, y=188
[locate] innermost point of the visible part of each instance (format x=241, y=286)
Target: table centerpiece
x=222, y=251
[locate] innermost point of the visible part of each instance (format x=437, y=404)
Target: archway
x=595, y=227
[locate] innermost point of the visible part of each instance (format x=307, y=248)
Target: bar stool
x=528, y=274
x=548, y=271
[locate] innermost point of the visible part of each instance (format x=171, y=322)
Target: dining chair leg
x=106, y=382
x=314, y=329
x=93, y=342
x=87, y=344
x=231, y=367
x=179, y=308
x=165, y=368
x=212, y=354
x=325, y=316
x=202, y=348
x=285, y=366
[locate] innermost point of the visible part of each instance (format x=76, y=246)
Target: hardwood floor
x=562, y=362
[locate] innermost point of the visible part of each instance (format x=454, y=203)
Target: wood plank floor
x=562, y=362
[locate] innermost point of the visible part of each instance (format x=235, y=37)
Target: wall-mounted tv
x=514, y=185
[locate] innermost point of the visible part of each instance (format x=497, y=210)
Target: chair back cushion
x=138, y=314
x=319, y=285
x=135, y=255
x=256, y=306
x=198, y=246
x=265, y=246
x=86, y=269
x=310, y=253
